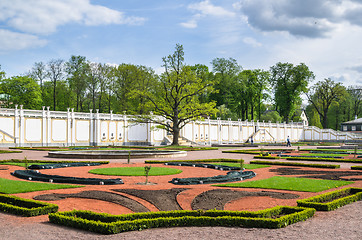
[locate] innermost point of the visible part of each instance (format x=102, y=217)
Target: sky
x=326, y=35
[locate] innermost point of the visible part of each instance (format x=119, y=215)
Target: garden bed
x=25, y=207
x=111, y=224
x=332, y=200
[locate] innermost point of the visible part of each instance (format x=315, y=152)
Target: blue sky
x=324, y=34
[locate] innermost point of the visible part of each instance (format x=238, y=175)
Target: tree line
x=186, y=91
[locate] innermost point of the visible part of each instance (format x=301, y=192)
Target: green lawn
x=13, y=186
x=246, y=166
x=289, y=183
x=135, y=171
x=324, y=154
x=22, y=164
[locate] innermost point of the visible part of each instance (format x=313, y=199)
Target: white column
x=209, y=131
x=125, y=128
x=91, y=128
x=97, y=130
x=22, y=127
x=69, y=128
x=44, y=127
x=17, y=127
x=48, y=127
x=73, y=126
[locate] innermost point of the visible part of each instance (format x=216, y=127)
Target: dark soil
x=217, y=198
x=98, y=195
x=164, y=200
x=328, y=175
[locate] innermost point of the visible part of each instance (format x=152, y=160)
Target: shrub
x=324, y=159
x=196, y=161
x=277, y=217
x=296, y=164
x=25, y=207
x=356, y=167
x=332, y=200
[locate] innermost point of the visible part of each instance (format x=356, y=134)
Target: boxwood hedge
x=25, y=207
x=296, y=164
x=356, y=167
x=324, y=159
x=276, y=217
x=332, y=200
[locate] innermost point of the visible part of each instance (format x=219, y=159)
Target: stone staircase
x=181, y=141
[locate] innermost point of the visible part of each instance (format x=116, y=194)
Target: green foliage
x=289, y=82
x=135, y=171
x=277, y=217
x=323, y=94
x=197, y=160
x=323, y=159
x=356, y=167
x=9, y=151
x=12, y=186
x=175, y=96
x=22, y=90
x=289, y=183
x=332, y=200
x=25, y=207
x=147, y=171
x=296, y=164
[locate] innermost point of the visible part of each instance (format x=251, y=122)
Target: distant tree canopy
x=183, y=92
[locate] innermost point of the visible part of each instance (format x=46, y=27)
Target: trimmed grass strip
x=135, y=171
x=13, y=186
x=289, y=183
x=296, y=164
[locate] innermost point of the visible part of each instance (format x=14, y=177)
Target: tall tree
x=175, y=95
x=39, y=73
x=22, y=90
x=356, y=97
x=225, y=75
x=289, y=82
x=322, y=95
x=77, y=68
x=55, y=71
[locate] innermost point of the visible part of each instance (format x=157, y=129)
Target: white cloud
x=17, y=41
x=303, y=18
x=205, y=9
x=252, y=42
x=44, y=16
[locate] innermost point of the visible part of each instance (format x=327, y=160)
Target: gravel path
x=343, y=223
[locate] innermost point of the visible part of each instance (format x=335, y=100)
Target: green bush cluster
x=324, y=159
x=266, y=157
x=25, y=207
x=45, y=161
x=356, y=167
x=332, y=200
x=296, y=164
x=9, y=151
x=196, y=161
x=277, y=217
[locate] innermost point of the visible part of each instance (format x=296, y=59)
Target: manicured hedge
x=276, y=217
x=25, y=207
x=296, y=164
x=324, y=159
x=332, y=200
x=194, y=161
x=356, y=167
x=45, y=161
x=9, y=151
x=266, y=157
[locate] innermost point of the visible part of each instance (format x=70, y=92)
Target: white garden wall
x=21, y=127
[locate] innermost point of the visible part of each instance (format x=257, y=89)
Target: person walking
x=288, y=142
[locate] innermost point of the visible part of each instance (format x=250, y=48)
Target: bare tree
x=55, y=71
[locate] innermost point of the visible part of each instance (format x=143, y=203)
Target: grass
x=246, y=166
x=324, y=154
x=20, y=164
x=13, y=186
x=135, y=171
x=289, y=183
x=10, y=151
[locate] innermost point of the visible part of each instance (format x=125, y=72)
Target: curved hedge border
x=195, y=161
x=25, y=207
x=296, y=164
x=356, y=167
x=9, y=151
x=45, y=161
x=324, y=159
x=332, y=200
x=111, y=224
